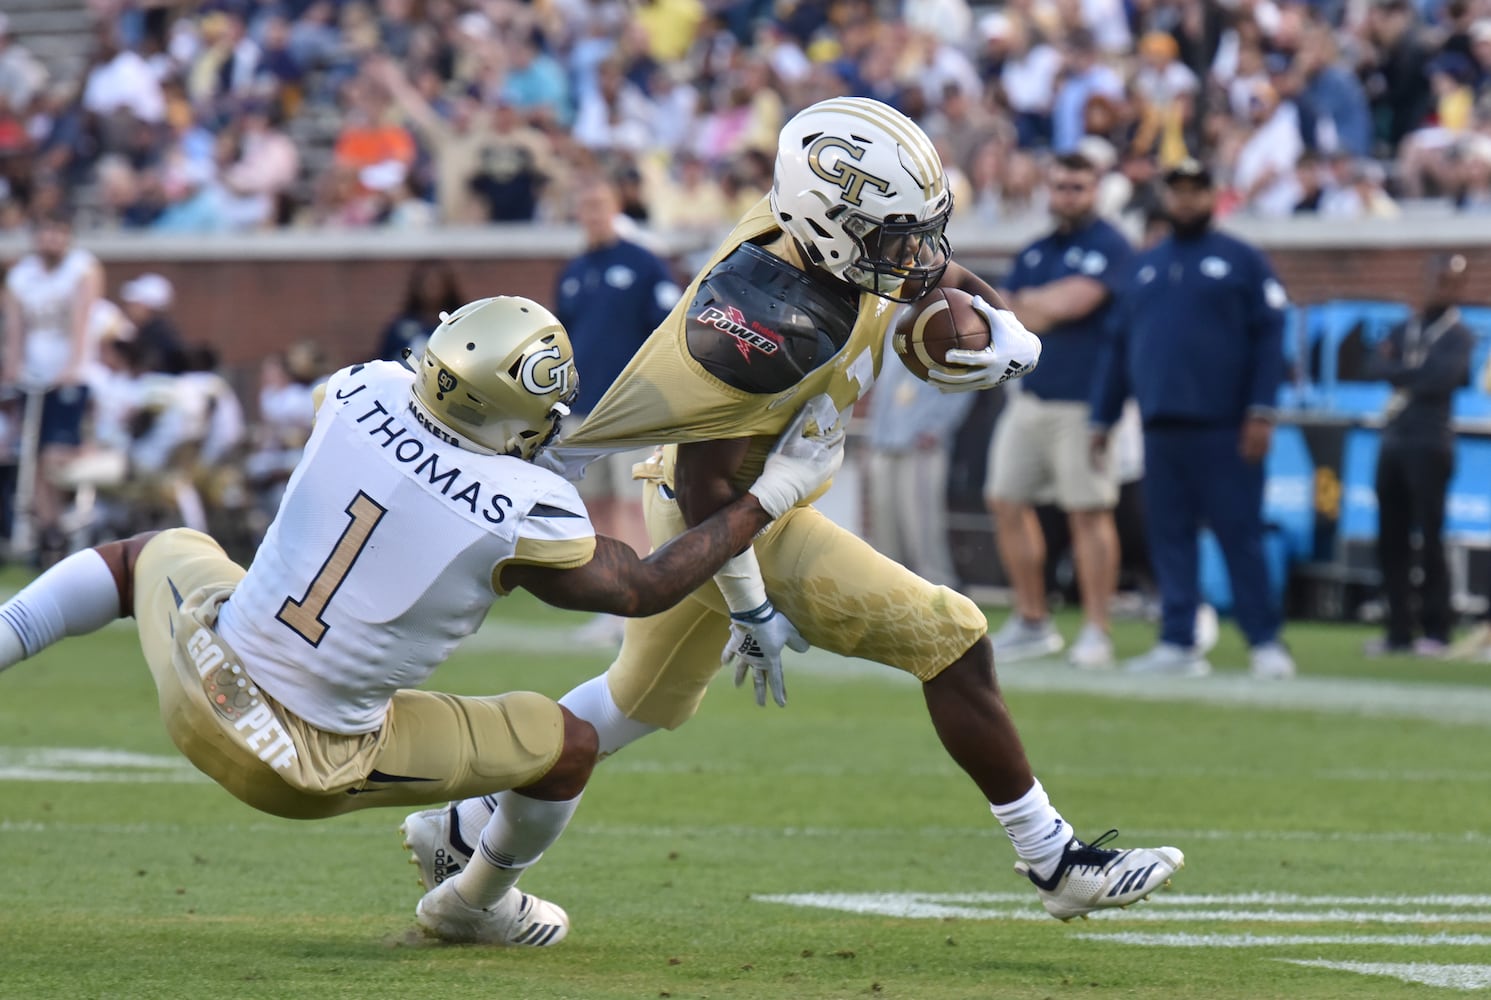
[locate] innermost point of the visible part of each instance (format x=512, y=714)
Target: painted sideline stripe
x=1443, y=703
x=94, y=765
x=1243, y=899
x=1468, y=837
x=1450, y=977
x=66, y=777
x=919, y=906
x=294, y=828
x=834, y=769
x=49, y=764
x=89, y=757
x=653, y=832
x=1283, y=940
x=1326, y=836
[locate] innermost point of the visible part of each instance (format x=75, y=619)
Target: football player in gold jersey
x=796, y=304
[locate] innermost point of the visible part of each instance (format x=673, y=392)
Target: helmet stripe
x=923, y=154
x=904, y=131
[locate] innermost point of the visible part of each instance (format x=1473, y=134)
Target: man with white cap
x=147, y=302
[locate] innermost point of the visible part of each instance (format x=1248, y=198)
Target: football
x=942, y=321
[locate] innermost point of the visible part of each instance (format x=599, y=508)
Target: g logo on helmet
x=850, y=179
x=557, y=377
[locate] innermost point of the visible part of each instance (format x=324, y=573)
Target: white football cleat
x=1093, y=650
x=1272, y=662
x=1092, y=877
x=1019, y=640
x=517, y=920
x=1168, y=660
x=433, y=839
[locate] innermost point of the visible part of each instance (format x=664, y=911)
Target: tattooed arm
x=616, y=581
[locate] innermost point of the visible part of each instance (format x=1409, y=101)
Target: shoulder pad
x=759, y=324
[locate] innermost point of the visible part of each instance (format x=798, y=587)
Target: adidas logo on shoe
x=445, y=865
x=1094, y=877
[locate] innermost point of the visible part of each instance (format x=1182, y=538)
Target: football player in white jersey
x=49, y=298
x=415, y=505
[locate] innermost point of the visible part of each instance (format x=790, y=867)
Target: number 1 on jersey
x=304, y=616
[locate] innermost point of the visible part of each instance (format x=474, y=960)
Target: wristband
x=741, y=585
x=755, y=616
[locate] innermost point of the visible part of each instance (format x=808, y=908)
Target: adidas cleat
x=433, y=839
x=517, y=920
x=1092, y=877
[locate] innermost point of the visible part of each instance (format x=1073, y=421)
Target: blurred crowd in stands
x=228, y=115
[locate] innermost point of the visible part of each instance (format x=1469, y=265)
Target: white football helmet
x=861, y=188
x=498, y=375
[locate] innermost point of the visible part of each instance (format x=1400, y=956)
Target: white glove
x=806, y=456
x=1013, y=351
x=756, y=643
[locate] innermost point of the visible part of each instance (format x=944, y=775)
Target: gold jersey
x=667, y=396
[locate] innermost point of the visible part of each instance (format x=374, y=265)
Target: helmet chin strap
x=558, y=411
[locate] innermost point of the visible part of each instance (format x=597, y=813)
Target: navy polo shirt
x=610, y=300
x=1070, y=352
x=1197, y=334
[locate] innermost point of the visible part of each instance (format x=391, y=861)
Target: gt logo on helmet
x=558, y=375
x=850, y=179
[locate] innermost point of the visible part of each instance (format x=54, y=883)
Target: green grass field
x=828, y=850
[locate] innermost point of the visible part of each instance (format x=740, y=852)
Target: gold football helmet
x=498, y=375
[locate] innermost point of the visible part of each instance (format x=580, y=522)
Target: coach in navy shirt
x=1062, y=287
x=610, y=299
x=1197, y=339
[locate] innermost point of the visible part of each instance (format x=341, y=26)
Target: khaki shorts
x=840, y=593
x=431, y=748
x=1039, y=454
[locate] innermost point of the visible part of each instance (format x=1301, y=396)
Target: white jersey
x=385, y=554
x=222, y=414
x=47, y=299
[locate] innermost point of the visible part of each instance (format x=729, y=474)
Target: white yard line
x=94, y=765
x=638, y=764
x=39, y=828
x=1286, y=941
x=1450, y=977
x=1169, y=899
x=72, y=777
x=1447, y=703
x=1160, y=909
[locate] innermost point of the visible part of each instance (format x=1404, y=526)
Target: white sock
x=515, y=837
x=74, y=597
x=1036, y=829
x=592, y=702
x=472, y=816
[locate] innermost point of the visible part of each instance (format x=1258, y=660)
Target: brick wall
x=250, y=308
x=1396, y=274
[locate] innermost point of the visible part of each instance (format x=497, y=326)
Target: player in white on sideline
x=48, y=303
x=415, y=506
